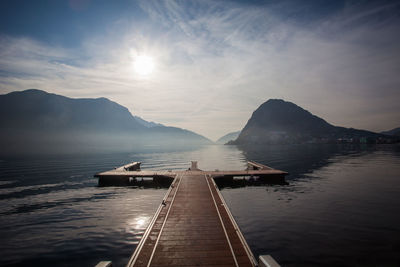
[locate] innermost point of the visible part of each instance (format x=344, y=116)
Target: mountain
x=278, y=121
x=228, y=137
x=393, y=132
x=40, y=111
x=34, y=121
x=147, y=124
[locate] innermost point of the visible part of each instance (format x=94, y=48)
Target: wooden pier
x=193, y=225
x=127, y=174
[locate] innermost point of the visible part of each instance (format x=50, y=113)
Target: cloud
x=218, y=61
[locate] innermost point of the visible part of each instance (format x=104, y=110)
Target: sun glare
x=144, y=65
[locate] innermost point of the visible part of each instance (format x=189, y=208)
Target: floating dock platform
x=193, y=225
x=129, y=174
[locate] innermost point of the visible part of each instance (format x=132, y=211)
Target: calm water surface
x=341, y=207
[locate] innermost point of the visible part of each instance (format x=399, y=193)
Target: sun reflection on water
x=137, y=225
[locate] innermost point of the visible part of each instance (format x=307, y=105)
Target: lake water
x=340, y=208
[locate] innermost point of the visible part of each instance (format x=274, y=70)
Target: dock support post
x=267, y=261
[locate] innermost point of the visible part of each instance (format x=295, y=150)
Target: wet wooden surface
x=193, y=228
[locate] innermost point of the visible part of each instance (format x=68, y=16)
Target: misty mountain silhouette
x=147, y=124
x=228, y=137
x=36, y=121
x=38, y=110
x=278, y=121
x=393, y=132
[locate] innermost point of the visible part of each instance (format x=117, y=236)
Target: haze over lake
x=341, y=204
x=306, y=87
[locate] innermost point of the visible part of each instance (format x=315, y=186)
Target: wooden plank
x=242, y=251
x=143, y=251
x=196, y=229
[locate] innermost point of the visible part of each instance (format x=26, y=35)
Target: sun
x=143, y=65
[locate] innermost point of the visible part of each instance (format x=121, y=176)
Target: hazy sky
x=209, y=64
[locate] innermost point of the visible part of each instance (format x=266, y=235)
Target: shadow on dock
x=237, y=182
x=222, y=181
x=143, y=182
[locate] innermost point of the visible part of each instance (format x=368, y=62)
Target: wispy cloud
x=217, y=61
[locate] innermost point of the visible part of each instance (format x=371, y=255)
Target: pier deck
x=194, y=228
x=124, y=175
